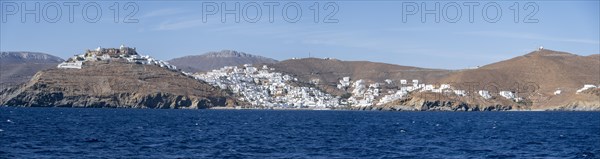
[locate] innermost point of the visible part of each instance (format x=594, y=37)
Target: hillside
x=19, y=67
x=539, y=80
x=116, y=84
x=550, y=70
x=536, y=75
x=534, y=78
x=329, y=71
x=216, y=60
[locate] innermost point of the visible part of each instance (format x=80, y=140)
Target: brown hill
x=216, y=60
x=330, y=71
x=550, y=70
x=115, y=84
x=594, y=57
x=18, y=67
x=535, y=75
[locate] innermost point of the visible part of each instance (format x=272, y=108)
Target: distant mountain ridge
x=230, y=53
x=17, y=67
x=216, y=60
x=23, y=56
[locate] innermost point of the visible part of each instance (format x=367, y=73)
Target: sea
x=150, y=133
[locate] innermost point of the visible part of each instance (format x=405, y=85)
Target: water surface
x=88, y=133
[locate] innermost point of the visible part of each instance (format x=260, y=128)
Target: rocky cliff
x=428, y=101
x=116, y=84
x=586, y=101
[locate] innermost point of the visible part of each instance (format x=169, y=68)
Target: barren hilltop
x=548, y=69
x=539, y=75
x=216, y=60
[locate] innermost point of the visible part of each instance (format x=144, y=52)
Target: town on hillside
x=264, y=87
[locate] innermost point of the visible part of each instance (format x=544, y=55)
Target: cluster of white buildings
x=106, y=54
x=261, y=87
x=147, y=60
x=364, y=94
x=71, y=64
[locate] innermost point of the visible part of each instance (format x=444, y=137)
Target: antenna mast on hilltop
x=309, y=54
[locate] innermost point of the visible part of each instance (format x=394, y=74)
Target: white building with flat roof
x=73, y=65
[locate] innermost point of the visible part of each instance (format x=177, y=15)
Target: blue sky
x=364, y=30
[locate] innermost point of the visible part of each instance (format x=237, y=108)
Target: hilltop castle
x=123, y=53
x=112, y=52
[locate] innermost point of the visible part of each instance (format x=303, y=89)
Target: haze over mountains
x=19, y=67
x=216, y=60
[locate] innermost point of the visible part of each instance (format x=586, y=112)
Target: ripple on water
x=134, y=133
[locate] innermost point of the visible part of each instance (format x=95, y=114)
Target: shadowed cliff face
x=588, y=100
x=116, y=84
x=428, y=101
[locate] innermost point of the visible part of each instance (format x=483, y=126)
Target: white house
x=507, y=94
x=557, y=92
x=485, y=94
x=403, y=81
x=75, y=65
x=460, y=92
x=388, y=81
x=415, y=82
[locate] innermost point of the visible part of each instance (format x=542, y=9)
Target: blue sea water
x=145, y=133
